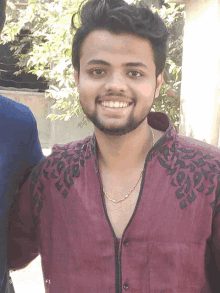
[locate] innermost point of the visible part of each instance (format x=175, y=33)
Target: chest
x=157, y=214
x=120, y=212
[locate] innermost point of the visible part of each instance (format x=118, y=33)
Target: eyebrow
x=102, y=62
x=135, y=64
x=130, y=64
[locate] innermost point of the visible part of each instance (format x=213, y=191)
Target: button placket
x=126, y=242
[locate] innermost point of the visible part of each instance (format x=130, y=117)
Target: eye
x=135, y=73
x=97, y=71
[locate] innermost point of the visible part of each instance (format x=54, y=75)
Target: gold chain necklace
x=126, y=196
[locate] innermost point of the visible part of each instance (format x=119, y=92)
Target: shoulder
x=194, y=145
x=74, y=154
x=19, y=134
x=14, y=113
x=72, y=147
x=192, y=167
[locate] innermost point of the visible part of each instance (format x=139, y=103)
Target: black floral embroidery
x=58, y=185
x=65, y=193
x=35, y=199
x=191, y=172
x=60, y=166
x=66, y=162
x=213, y=204
x=68, y=178
x=37, y=171
x=75, y=170
x=93, y=144
x=35, y=220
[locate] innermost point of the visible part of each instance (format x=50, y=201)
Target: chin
x=118, y=130
x=115, y=131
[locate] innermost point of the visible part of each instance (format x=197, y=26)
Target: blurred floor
x=30, y=279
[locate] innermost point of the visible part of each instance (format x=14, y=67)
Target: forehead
x=102, y=44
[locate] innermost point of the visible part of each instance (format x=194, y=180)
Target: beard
x=129, y=125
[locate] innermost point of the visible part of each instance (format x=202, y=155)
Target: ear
x=159, y=83
x=76, y=77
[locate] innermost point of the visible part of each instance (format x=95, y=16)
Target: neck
x=120, y=153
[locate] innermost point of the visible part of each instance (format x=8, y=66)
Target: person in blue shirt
x=20, y=150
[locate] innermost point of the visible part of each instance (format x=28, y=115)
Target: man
x=135, y=207
x=19, y=151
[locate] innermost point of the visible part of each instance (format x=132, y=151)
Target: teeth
x=111, y=104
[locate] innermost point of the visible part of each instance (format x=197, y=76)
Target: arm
x=33, y=155
x=22, y=242
x=213, y=248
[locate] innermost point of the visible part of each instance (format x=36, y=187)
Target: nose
x=116, y=83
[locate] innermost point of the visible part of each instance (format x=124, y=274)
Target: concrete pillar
x=200, y=93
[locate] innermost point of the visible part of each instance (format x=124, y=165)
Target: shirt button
x=126, y=286
x=126, y=242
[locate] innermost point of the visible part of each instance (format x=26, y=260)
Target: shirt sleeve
x=213, y=248
x=22, y=240
x=35, y=152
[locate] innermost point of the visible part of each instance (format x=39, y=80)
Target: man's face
x=117, y=82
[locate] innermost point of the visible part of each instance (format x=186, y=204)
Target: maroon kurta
x=171, y=243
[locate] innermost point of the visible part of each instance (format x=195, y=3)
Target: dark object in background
x=23, y=81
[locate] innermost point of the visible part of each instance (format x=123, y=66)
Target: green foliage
x=169, y=98
x=49, y=43
x=46, y=51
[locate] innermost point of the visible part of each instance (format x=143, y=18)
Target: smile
x=111, y=104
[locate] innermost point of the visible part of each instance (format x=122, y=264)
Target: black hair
x=117, y=16
x=2, y=14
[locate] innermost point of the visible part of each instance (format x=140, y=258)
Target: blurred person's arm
x=31, y=158
x=18, y=237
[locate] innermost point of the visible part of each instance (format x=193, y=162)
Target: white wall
x=200, y=94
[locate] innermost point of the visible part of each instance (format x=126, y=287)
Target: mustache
x=118, y=95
